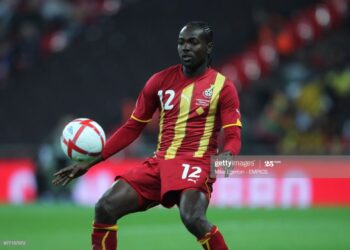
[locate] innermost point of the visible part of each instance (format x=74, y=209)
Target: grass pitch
x=68, y=227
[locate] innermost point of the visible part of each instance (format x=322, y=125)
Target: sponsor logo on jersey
x=202, y=102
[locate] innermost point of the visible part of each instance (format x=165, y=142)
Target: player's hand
x=225, y=154
x=67, y=174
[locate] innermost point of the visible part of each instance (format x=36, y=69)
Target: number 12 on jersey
x=190, y=172
x=168, y=103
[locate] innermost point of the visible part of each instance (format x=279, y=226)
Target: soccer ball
x=83, y=140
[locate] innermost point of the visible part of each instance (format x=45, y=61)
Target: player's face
x=192, y=47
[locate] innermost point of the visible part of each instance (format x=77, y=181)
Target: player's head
x=195, y=43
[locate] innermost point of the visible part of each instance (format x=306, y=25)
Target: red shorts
x=162, y=181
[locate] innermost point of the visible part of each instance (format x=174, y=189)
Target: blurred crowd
x=31, y=30
x=306, y=110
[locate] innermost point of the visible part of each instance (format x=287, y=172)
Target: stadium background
x=63, y=59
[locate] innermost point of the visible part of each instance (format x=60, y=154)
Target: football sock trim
x=107, y=227
x=103, y=243
x=205, y=239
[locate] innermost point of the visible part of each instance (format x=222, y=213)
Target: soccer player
x=195, y=102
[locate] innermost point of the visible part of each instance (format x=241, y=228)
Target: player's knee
x=191, y=220
x=104, y=211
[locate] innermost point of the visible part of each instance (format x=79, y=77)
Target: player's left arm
x=230, y=118
x=119, y=140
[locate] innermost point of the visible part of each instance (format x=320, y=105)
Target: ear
x=210, y=47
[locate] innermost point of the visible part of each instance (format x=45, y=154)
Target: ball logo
x=70, y=130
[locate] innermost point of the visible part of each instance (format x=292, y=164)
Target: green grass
x=68, y=227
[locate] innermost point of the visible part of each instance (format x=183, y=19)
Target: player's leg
x=193, y=206
x=117, y=201
x=121, y=199
x=136, y=190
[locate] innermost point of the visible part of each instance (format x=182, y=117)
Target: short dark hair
x=205, y=27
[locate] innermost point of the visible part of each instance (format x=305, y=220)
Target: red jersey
x=192, y=111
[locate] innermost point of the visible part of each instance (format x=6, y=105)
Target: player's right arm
x=144, y=109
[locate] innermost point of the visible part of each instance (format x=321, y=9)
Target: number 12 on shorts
x=190, y=172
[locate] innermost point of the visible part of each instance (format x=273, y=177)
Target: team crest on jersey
x=208, y=92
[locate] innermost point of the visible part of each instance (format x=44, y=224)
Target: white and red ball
x=83, y=139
